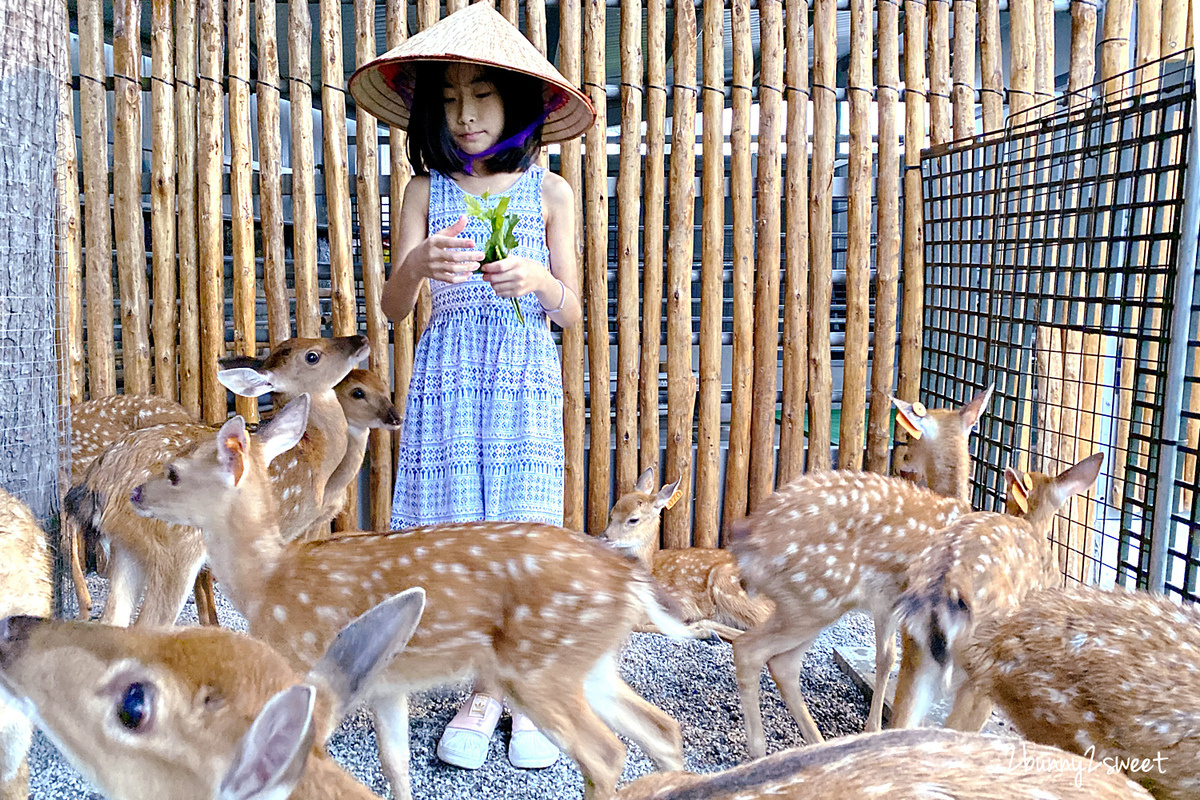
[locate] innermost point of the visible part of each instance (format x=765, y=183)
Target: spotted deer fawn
x=984, y=562
x=703, y=582
x=197, y=713
x=832, y=542
x=535, y=610
x=165, y=559
x=25, y=588
x=900, y=765
x=1113, y=676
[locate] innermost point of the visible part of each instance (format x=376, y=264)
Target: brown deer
x=984, y=562
x=1113, y=676
x=197, y=713
x=832, y=542
x=539, y=611
x=900, y=765
x=165, y=559
x=703, y=582
x=26, y=583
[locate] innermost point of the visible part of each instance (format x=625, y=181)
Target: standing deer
x=984, y=562
x=165, y=559
x=703, y=582
x=197, y=713
x=536, y=610
x=25, y=588
x=832, y=542
x=1111, y=675
x=900, y=765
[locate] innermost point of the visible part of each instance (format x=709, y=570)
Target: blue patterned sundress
x=483, y=430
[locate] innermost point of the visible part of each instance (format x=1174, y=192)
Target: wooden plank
x=342, y=300
x=209, y=144
x=70, y=260
x=162, y=198
x=241, y=198
x=186, y=109
x=939, y=71
x=964, y=69
x=270, y=183
x=402, y=332
x=911, y=325
x=304, y=202
x=652, y=221
x=991, y=78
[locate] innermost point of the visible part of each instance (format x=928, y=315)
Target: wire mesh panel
x=1051, y=255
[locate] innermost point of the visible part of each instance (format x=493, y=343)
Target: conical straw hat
x=480, y=35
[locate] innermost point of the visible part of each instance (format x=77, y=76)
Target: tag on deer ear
x=1019, y=490
x=675, y=497
x=908, y=423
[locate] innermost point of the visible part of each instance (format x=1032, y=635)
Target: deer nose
x=14, y=635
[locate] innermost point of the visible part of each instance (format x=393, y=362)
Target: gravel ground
x=697, y=687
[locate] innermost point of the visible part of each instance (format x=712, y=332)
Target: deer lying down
x=536, y=610
x=984, y=563
x=26, y=585
x=900, y=765
x=702, y=581
x=196, y=713
x=1111, y=675
x=832, y=542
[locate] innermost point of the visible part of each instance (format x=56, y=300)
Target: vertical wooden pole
x=820, y=286
x=241, y=201
x=186, y=107
x=304, y=199
x=964, y=68
x=706, y=510
x=162, y=198
x=939, y=71
x=574, y=411
x=535, y=24
x=737, y=460
x=911, y=323
x=509, y=8
x=428, y=12
x=628, y=252
x=887, y=247
x=652, y=223
x=991, y=76
x=97, y=219
x=766, y=301
x=210, y=148
x=681, y=385
x=270, y=183
x=337, y=179
x=127, y=194
x=596, y=268
x=70, y=262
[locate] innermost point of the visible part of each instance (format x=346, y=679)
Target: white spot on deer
x=819, y=595
x=821, y=547
x=459, y=569
x=831, y=560
x=309, y=638
x=403, y=561
x=439, y=568
x=475, y=551
x=799, y=577
x=329, y=615
x=303, y=598
x=376, y=575
x=280, y=614
x=521, y=613
x=420, y=552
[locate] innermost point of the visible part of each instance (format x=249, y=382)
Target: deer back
x=98, y=423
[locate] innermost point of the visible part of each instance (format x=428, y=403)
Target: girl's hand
x=445, y=257
x=516, y=276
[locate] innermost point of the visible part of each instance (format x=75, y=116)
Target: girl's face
x=474, y=110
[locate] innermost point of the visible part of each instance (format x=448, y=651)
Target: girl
x=483, y=436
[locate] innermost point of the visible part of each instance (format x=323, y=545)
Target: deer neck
x=645, y=550
x=325, y=435
x=948, y=470
x=347, y=470
x=245, y=546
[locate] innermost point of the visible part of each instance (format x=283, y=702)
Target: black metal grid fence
x=1051, y=255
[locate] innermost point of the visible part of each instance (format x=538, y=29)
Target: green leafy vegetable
x=503, y=237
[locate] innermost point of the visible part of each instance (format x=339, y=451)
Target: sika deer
x=25, y=588
x=703, y=582
x=165, y=559
x=900, y=765
x=984, y=562
x=1111, y=675
x=536, y=610
x=833, y=542
x=196, y=713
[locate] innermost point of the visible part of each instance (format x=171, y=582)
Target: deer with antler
x=832, y=542
x=985, y=562
x=1113, y=676
x=197, y=713
x=537, y=610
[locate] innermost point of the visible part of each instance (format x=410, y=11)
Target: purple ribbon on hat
x=557, y=100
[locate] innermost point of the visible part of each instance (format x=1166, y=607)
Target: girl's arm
x=558, y=202
x=416, y=256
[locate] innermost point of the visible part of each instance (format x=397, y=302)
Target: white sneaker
x=464, y=743
x=528, y=748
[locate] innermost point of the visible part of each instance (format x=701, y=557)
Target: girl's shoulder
x=555, y=188
x=416, y=193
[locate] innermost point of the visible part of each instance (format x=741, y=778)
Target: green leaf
x=473, y=206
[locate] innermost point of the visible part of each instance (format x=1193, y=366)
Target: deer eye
x=632, y=521
x=312, y=357
x=133, y=708
x=172, y=475
x=358, y=394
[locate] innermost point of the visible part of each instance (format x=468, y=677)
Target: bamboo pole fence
x=270, y=178
x=652, y=223
x=162, y=198
x=241, y=203
x=211, y=240
x=187, y=233
x=69, y=267
x=304, y=202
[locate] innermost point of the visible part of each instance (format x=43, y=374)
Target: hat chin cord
x=516, y=140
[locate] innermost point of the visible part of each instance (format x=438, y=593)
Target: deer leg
x=708, y=627
x=916, y=686
x=125, y=580
x=971, y=709
x=885, y=657
x=74, y=540
x=751, y=651
x=391, y=731
x=167, y=588
x=785, y=669
x=206, y=598
x=16, y=787
x=632, y=717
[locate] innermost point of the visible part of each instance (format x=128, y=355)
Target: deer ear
x=973, y=410
x=270, y=758
x=1077, y=479
x=285, y=429
x=910, y=418
x=368, y=644
x=233, y=449
x=1016, y=489
x=645, y=482
x=246, y=382
x=666, y=495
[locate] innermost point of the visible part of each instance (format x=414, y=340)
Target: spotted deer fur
x=196, y=713
x=163, y=560
x=900, y=765
x=536, y=610
x=985, y=562
x=703, y=582
x=25, y=588
x=1110, y=675
x=832, y=542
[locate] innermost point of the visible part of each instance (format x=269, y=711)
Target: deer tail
x=660, y=607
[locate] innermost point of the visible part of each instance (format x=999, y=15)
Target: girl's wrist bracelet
x=562, y=301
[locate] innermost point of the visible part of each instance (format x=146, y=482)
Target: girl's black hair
x=430, y=146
